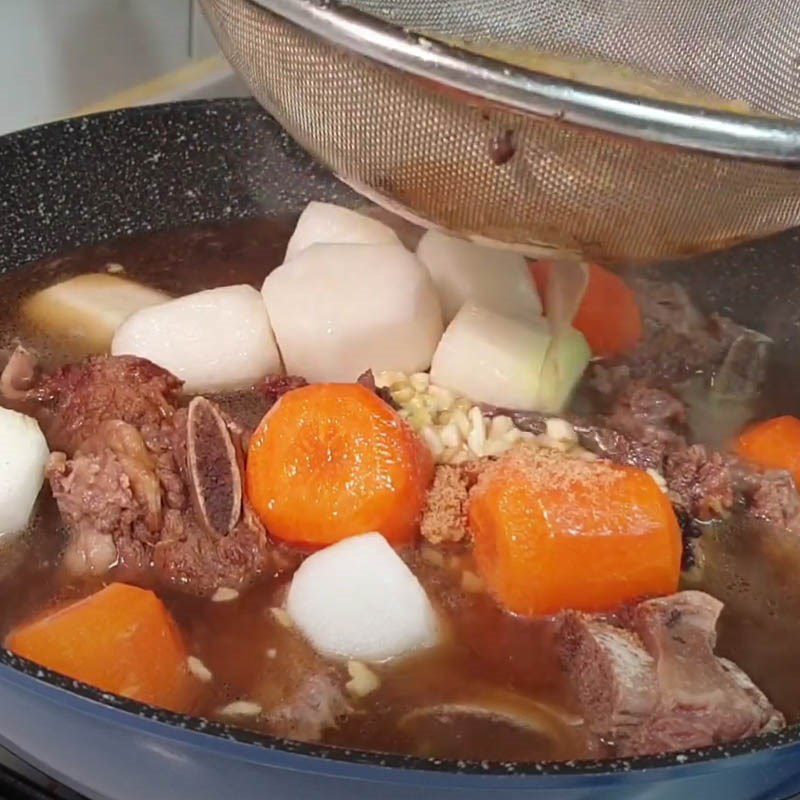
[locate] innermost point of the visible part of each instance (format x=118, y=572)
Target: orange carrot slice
x=121, y=639
x=553, y=532
x=333, y=460
x=608, y=315
x=774, y=443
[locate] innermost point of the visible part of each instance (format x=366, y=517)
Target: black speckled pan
x=88, y=180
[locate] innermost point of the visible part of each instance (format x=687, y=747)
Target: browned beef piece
x=651, y=683
x=678, y=341
x=667, y=306
x=206, y=535
x=618, y=447
x=700, y=481
x=648, y=414
x=367, y=380
x=214, y=538
x=773, y=720
x=314, y=707
x=71, y=402
x=702, y=700
x=108, y=491
x=771, y=496
x=144, y=484
x=613, y=676
x=703, y=483
x=275, y=386
x=192, y=558
x=301, y=694
x=19, y=378
x=642, y=427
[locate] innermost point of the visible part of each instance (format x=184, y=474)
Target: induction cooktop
x=20, y=781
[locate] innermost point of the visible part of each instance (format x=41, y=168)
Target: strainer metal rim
x=720, y=133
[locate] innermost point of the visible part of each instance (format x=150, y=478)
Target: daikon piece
x=569, y=352
x=85, y=311
x=498, y=280
x=357, y=599
x=326, y=223
x=565, y=291
x=491, y=358
x=340, y=309
x=566, y=359
x=215, y=340
x=23, y=457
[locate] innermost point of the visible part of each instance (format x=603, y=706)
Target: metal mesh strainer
x=485, y=149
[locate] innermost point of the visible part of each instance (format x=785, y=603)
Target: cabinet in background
x=57, y=56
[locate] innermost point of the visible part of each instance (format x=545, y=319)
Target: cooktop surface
x=20, y=781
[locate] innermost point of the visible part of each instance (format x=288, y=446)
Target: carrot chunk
x=608, y=315
x=121, y=639
x=333, y=460
x=553, y=532
x=774, y=443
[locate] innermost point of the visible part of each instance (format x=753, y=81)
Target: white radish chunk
x=23, y=457
x=569, y=351
x=216, y=340
x=84, y=312
x=498, y=280
x=490, y=358
x=340, y=309
x=357, y=599
x=326, y=223
x=567, y=358
x=565, y=291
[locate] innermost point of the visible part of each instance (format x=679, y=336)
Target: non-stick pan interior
x=154, y=168
x=130, y=172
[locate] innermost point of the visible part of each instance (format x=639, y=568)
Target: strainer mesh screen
x=557, y=185
x=739, y=49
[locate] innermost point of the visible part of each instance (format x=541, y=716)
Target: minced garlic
x=363, y=680
x=282, y=617
x=199, y=669
x=455, y=429
x=240, y=708
x=224, y=595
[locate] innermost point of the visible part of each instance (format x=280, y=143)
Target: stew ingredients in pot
x=443, y=502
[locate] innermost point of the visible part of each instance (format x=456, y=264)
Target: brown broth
x=488, y=657
x=753, y=569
